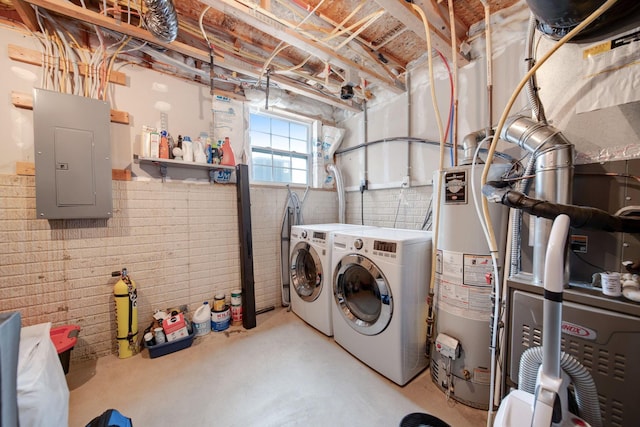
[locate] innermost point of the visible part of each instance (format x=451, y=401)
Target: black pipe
x=580, y=216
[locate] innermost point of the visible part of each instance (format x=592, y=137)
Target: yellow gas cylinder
x=126, y=301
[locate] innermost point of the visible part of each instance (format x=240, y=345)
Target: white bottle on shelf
x=187, y=149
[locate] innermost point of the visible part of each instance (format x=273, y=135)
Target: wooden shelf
x=164, y=164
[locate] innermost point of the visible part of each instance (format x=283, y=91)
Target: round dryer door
x=306, y=272
x=362, y=294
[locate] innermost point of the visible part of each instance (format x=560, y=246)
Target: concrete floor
x=281, y=373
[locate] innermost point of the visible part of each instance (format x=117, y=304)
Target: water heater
x=463, y=304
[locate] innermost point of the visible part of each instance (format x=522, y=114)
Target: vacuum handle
x=555, y=257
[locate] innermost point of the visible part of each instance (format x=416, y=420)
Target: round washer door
x=362, y=294
x=306, y=272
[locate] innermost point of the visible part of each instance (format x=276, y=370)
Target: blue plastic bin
x=170, y=347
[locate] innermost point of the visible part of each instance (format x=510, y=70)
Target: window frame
x=308, y=156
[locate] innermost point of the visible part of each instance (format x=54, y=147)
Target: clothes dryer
x=380, y=286
x=310, y=271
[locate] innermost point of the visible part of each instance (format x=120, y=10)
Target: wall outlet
x=406, y=181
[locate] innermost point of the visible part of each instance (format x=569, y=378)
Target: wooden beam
x=118, y=116
x=76, y=12
x=29, y=169
x=25, y=101
x=25, y=168
x=27, y=14
x=33, y=57
x=405, y=14
x=443, y=13
x=120, y=175
x=295, y=86
x=272, y=26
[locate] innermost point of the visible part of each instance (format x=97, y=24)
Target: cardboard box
x=178, y=334
x=173, y=323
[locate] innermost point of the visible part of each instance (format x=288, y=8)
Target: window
x=279, y=149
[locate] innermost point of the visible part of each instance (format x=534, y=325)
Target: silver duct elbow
x=470, y=143
x=161, y=19
x=535, y=137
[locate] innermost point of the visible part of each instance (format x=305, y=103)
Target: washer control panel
x=358, y=244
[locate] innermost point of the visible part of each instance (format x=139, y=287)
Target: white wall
x=609, y=133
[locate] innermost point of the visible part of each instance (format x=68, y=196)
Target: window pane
x=281, y=161
x=260, y=123
x=280, y=143
x=299, y=131
x=298, y=176
x=299, y=162
x=280, y=149
x=299, y=146
x=279, y=127
x=261, y=173
x=281, y=175
x=261, y=158
x=259, y=139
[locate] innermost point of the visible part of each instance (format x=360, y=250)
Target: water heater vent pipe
x=553, y=156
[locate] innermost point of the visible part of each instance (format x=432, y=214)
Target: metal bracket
x=163, y=170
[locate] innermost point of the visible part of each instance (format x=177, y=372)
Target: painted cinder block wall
x=179, y=242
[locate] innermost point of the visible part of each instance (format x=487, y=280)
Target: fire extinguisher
x=126, y=301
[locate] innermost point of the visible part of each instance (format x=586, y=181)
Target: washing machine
x=380, y=288
x=310, y=270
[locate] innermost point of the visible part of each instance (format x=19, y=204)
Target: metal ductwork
x=161, y=19
x=553, y=156
x=470, y=143
x=557, y=17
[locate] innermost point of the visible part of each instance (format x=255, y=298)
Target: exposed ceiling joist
x=403, y=13
x=268, y=25
x=27, y=14
x=70, y=10
x=326, y=43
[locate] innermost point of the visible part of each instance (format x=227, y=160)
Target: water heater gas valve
x=448, y=346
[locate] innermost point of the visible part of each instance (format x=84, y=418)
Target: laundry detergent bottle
x=202, y=320
x=227, y=153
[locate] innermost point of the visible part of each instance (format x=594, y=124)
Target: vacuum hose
x=585, y=388
x=580, y=216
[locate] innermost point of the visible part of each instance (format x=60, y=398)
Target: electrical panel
x=72, y=156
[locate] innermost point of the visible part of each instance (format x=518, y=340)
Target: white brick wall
x=390, y=208
x=267, y=209
x=178, y=240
